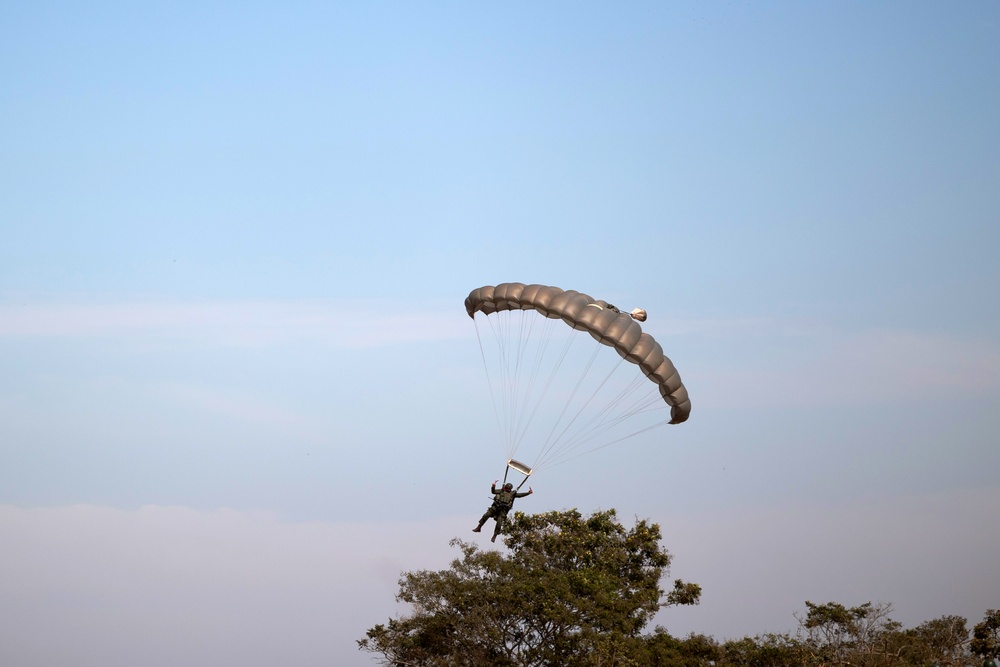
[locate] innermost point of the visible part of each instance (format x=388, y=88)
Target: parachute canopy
x=604, y=322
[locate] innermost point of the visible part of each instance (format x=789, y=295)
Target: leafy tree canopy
x=576, y=591
x=986, y=636
x=572, y=590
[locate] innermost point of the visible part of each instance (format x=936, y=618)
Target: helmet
x=508, y=486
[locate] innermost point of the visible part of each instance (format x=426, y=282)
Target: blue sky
x=239, y=393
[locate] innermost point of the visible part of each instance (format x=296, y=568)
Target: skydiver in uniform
x=503, y=500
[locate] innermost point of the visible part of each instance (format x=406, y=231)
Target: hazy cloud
x=930, y=555
x=88, y=585
x=817, y=365
x=341, y=324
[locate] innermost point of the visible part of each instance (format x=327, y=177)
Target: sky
x=239, y=392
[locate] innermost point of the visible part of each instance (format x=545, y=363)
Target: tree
x=986, y=636
x=943, y=640
x=832, y=634
x=838, y=635
x=769, y=650
x=660, y=649
x=572, y=590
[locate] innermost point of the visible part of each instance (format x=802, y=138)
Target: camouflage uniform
x=503, y=500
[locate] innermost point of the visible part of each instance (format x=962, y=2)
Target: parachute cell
x=605, y=323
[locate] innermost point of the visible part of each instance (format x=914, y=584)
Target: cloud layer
x=929, y=555
x=252, y=323
x=87, y=585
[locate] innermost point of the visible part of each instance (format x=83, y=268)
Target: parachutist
x=503, y=500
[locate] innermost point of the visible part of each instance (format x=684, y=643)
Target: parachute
x=535, y=327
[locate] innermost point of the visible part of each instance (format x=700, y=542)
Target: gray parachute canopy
x=601, y=320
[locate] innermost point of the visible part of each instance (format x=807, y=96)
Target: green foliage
x=838, y=635
x=578, y=591
x=942, y=641
x=770, y=650
x=833, y=634
x=986, y=636
x=660, y=649
x=573, y=590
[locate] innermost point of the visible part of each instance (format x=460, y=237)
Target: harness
x=504, y=500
